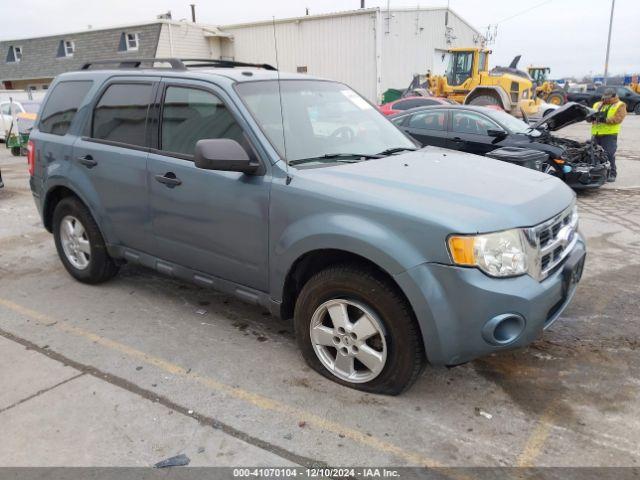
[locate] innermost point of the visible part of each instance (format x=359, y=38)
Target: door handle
x=169, y=179
x=458, y=140
x=87, y=161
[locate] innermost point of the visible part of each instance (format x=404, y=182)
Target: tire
x=15, y=151
x=484, y=100
x=637, y=109
x=361, y=291
x=555, y=98
x=87, y=243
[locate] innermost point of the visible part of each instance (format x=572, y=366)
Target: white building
x=370, y=49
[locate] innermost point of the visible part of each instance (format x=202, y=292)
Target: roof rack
x=176, y=63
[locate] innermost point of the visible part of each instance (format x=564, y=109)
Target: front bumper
x=588, y=177
x=453, y=304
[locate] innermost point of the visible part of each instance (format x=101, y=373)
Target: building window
x=69, y=48
x=66, y=48
x=129, y=42
x=14, y=55
x=132, y=41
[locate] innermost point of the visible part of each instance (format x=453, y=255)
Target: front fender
x=338, y=231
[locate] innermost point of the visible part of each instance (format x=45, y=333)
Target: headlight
x=500, y=254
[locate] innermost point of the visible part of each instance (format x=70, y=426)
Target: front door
x=211, y=221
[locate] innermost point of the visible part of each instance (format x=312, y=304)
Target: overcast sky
x=568, y=35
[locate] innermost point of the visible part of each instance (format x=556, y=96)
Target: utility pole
x=606, y=61
x=193, y=12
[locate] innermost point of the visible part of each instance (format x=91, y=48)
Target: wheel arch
x=55, y=194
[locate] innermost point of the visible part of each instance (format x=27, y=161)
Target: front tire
x=637, y=109
x=80, y=244
x=354, y=327
x=555, y=98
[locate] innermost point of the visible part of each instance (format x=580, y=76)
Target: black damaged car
x=481, y=130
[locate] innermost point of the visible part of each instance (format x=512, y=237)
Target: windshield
x=513, y=124
x=321, y=119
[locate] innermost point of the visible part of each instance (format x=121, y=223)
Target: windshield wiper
x=391, y=151
x=338, y=157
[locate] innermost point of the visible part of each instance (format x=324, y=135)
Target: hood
x=564, y=116
x=463, y=192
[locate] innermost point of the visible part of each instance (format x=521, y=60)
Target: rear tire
x=391, y=351
x=637, y=109
x=555, y=98
x=484, y=100
x=15, y=151
x=80, y=244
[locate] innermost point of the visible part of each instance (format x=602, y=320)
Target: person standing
x=607, y=121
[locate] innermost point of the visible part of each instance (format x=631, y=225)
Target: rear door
x=469, y=132
x=112, y=158
x=428, y=127
x=56, y=132
x=211, y=221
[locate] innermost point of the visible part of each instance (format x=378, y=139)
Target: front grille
x=553, y=240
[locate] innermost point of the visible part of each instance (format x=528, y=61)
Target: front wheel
x=80, y=244
x=637, y=109
x=354, y=327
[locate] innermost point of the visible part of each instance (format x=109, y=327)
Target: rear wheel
x=355, y=328
x=555, y=98
x=486, y=99
x=637, y=109
x=80, y=244
x=15, y=151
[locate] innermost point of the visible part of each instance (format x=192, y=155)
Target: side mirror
x=497, y=133
x=225, y=155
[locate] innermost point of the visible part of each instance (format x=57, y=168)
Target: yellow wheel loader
x=468, y=81
x=547, y=90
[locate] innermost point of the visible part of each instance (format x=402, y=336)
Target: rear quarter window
x=62, y=106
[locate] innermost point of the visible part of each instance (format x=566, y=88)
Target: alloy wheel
x=348, y=339
x=75, y=242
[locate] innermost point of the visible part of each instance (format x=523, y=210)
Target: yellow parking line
x=539, y=436
x=255, y=399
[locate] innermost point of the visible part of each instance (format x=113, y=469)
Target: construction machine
x=546, y=89
x=468, y=81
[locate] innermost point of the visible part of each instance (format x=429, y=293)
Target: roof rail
x=175, y=63
x=210, y=62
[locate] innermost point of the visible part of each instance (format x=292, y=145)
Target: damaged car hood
x=564, y=116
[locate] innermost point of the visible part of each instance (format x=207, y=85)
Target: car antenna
x=284, y=137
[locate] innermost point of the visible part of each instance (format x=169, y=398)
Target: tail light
x=31, y=157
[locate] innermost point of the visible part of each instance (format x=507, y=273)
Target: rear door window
x=121, y=114
x=62, y=106
x=473, y=123
x=430, y=120
x=191, y=114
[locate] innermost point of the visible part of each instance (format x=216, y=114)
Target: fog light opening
x=503, y=329
x=508, y=329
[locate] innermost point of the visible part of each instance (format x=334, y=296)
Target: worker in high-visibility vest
x=607, y=121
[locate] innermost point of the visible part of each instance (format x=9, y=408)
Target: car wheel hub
x=75, y=242
x=348, y=339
